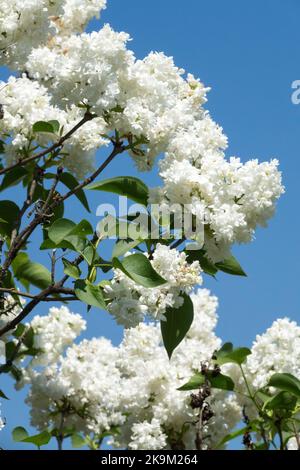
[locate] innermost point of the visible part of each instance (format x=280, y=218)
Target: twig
x=56, y=289
x=25, y=234
x=281, y=440
x=87, y=117
x=297, y=437
x=60, y=436
x=118, y=148
x=32, y=296
x=199, y=431
x=53, y=262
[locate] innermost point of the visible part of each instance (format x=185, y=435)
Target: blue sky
x=247, y=52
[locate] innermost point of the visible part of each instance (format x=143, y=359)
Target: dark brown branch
x=119, y=148
x=43, y=296
x=39, y=218
x=32, y=296
x=56, y=289
x=25, y=234
x=60, y=299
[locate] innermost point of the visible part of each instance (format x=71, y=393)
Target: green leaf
x=73, y=243
x=19, y=261
x=9, y=213
x=199, y=255
x=48, y=245
x=45, y=126
x=28, y=339
x=10, y=348
x=19, y=434
x=71, y=182
x=55, y=125
x=231, y=266
x=285, y=382
x=231, y=436
x=39, y=440
x=128, y=186
x=123, y=246
x=34, y=273
x=194, y=383
x=220, y=381
x=82, y=229
x=89, y=254
x=70, y=269
x=177, y=324
x=2, y=395
x=229, y=355
x=89, y=294
x=66, y=234
x=281, y=401
x=109, y=226
x=15, y=372
x=60, y=229
x=13, y=177
x=138, y=268
x=104, y=265
x=77, y=441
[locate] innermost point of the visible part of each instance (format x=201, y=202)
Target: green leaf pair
x=133, y=188
x=138, y=268
x=21, y=435
x=49, y=127
x=220, y=381
x=30, y=273
x=229, y=265
x=227, y=354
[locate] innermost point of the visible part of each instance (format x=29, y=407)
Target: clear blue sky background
x=247, y=51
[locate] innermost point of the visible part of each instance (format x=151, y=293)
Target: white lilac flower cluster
x=30, y=23
x=55, y=332
x=133, y=386
x=24, y=103
x=293, y=444
x=277, y=350
x=228, y=197
x=150, y=100
x=130, y=302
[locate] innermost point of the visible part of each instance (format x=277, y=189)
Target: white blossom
x=292, y=444
x=24, y=103
x=276, y=350
x=132, y=386
x=147, y=436
x=230, y=198
x=54, y=332
x=129, y=302
x=25, y=24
